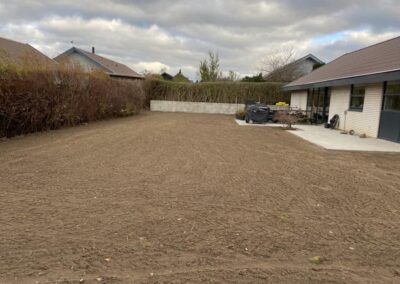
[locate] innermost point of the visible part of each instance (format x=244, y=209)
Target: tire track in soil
x=184, y=195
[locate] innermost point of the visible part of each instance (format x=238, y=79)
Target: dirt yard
x=182, y=198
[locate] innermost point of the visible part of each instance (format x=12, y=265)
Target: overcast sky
x=151, y=34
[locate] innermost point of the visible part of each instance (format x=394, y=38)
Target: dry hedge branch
x=215, y=92
x=41, y=99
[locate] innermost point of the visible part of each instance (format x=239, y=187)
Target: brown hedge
x=216, y=92
x=38, y=100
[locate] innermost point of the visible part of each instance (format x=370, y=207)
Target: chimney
x=93, y=50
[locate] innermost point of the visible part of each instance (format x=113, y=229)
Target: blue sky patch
x=329, y=37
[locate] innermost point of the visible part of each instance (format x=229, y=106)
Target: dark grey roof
x=369, y=64
x=113, y=68
x=309, y=56
x=167, y=76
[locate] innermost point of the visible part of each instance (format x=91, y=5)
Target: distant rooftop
x=113, y=68
x=16, y=52
x=294, y=70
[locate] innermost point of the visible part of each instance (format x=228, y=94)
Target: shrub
x=286, y=119
x=216, y=92
x=37, y=100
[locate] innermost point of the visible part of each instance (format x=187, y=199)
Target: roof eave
x=125, y=76
x=77, y=50
x=316, y=59
x=82, y=52
x=392, y=75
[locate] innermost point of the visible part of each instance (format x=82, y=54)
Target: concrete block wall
x=195, y=107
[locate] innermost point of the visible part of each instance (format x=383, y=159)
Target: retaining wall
x=194, y=107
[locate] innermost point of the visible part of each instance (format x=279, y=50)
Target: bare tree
x=286, y=119
x=230, y=76
x=233, y=76
x=278, y=65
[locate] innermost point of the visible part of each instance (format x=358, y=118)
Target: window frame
x=352, y=108
x=386, y=95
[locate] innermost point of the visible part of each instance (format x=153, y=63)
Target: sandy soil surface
x=186, y=198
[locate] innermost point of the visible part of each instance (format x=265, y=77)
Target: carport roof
x=376, y=63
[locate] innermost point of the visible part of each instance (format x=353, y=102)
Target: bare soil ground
x=186, y=198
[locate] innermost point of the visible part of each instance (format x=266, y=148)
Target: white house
x=362, y=87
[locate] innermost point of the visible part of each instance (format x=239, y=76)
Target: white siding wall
x=298, y=100
x=340, y=101
x=366, y=121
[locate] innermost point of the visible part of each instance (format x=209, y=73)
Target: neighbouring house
x=295, y=69
x=179, y=77
x=166, y=76
x=90, y=61
x=362, y=87
x=23, y=54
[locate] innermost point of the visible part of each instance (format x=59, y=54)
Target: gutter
x=390, y=75
x=125, y=76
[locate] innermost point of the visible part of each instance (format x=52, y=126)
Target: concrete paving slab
x=270, y=124
x=334, y=140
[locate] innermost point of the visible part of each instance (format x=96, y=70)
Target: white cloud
x=154, y=67
x=176, y=35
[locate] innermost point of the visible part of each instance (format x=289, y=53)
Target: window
x=357, y=98
x=392, y=96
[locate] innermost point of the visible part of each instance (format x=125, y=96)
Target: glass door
x=389, y=126
x=318, y=105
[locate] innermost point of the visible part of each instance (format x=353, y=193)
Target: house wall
x=339, y=103
x=77, y=59
x=304, y=68
x=298, y=100
x=365, y=122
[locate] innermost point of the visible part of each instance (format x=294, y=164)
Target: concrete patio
x=334, y=140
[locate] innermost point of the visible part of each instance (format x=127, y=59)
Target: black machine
x=256, y=112
x=333, y=122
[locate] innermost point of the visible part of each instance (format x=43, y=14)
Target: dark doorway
x=318, y=102
x=389, y=127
